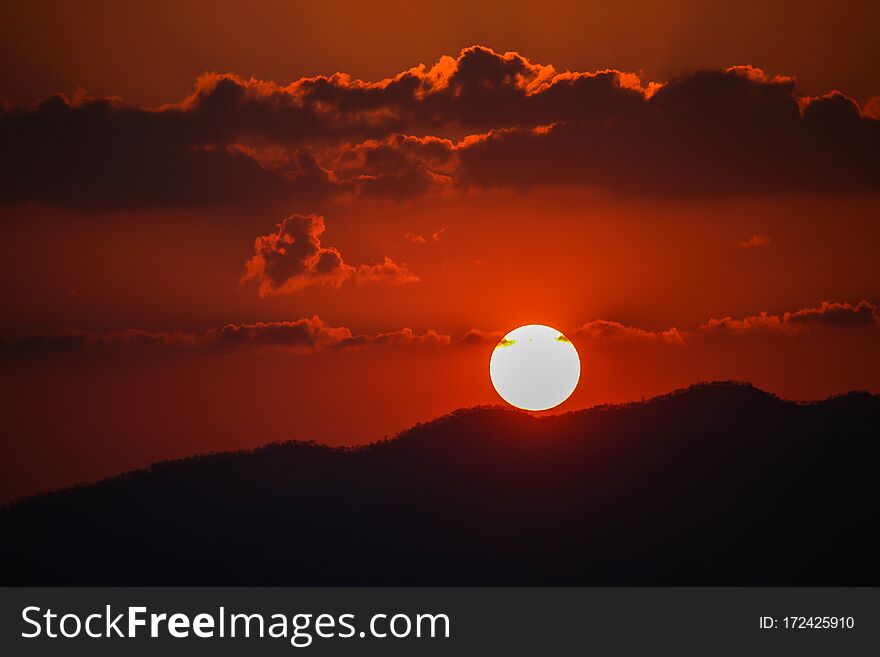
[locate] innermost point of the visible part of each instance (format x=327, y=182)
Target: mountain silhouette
x=719, y=484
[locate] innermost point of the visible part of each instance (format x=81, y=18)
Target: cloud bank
x=307, y=335
x=479, y=120
x=312, y=334
x=827, y=314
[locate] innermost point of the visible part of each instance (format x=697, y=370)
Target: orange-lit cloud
x=418, y=238
x=405, y=336
x=293, y=258
x=872, y=107
x=798, y=322
x=477, y=337
x=313, y=334
x=827, y=314
x=756, y=241
x=398, y=167
x=601, y=329
x=233, y=140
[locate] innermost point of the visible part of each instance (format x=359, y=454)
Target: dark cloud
x=835, y=314
x=70, y=340
x=602, y=329
x=96, y=155
x=236, y=140
x=305, y=335
x=827, y=314
x=708, y=133
x=312, y=334
x=760, y=323
x=398, y=167
x=478, y=337
x=293, y=258
x=404, y=336
x=799, y=322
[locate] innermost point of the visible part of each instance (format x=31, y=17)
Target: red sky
x=213, y=265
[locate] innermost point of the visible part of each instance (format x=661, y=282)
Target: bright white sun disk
x=535, y=367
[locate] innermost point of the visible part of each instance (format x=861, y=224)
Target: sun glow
x=534, y=367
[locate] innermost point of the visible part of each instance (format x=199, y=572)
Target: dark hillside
x=717, y=484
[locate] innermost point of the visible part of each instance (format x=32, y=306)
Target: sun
x=534, y=367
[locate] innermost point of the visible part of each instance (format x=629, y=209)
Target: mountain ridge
x=614, y=494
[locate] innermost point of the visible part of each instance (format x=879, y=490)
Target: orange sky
x=149, y=53
x=610, y=208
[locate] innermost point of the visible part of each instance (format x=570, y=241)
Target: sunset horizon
x=407, y=295
x=368, y=242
